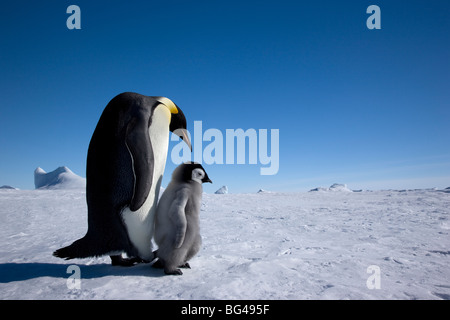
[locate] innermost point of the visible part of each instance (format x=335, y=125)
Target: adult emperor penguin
x=125, y=164
x=177, y=224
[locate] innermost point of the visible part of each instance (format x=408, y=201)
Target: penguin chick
x=177, y=223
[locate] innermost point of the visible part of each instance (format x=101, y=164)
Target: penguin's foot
x=137, y=260
x=174, y=272
x=158, y=264
x=126, y=262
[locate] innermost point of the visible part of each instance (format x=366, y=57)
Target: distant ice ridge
x=61, y=178
x=447, y=190
x=337, y=187
x=222, y=190
x=6, y=187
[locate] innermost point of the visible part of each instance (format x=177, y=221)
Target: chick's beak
x=207, y=179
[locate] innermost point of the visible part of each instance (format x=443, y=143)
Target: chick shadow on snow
x=10, y=272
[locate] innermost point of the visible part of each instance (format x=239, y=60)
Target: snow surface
x=310, y=245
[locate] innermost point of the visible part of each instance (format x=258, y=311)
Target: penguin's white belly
x=140, y=223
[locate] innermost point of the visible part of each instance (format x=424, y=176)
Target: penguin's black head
x=177, y=121
x=178, y=126
x=191, y=171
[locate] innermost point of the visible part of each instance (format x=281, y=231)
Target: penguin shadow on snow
x=10, y=272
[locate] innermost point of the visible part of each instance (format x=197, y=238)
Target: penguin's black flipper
x=140, y=148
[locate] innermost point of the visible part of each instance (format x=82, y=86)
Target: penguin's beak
x=182, y=133
x=206, y=179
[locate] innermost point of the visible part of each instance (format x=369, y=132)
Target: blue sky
x=369, y=108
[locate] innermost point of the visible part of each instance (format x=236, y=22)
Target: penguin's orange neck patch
x=169, y=104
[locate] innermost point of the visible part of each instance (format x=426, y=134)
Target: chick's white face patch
x=197, y=175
